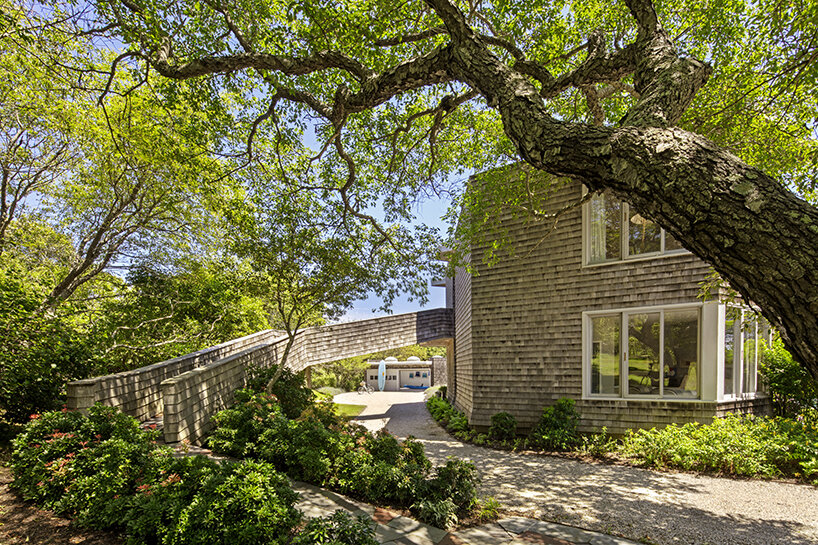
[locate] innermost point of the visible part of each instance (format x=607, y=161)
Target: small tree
x=307, y=273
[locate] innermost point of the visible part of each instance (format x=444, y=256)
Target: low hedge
x=735, y=445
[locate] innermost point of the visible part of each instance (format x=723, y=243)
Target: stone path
x=394, y=529
x=643, y=505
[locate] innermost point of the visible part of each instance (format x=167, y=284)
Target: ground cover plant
x=734, y=445
x=556, y=430
x=106, y=472
x=321, y=448
x=751, y=446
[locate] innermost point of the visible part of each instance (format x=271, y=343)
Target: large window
x=656, y=349
x=614, y=232
x=744, y=334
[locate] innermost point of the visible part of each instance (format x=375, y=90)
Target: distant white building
x=412, y=374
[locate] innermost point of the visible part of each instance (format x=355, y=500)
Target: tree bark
x=758, y=236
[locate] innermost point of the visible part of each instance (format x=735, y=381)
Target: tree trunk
x=281, y=364
x=757, y=235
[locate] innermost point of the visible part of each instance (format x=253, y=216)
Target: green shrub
x=439, y=408
x=199, y=501
x=751, y=446
x=503, y=426
x=344, y=457
x=243, y=504
x=439, y=513
x=458, y=423
x=481, y=439
x=107, y=473
x=290, y=389
x=236, y=429
x=323, y=412
x=84, y=467
x=557, y=428
x=791, y=387
x=340, y=528
x=457, y=481
x=598, y=444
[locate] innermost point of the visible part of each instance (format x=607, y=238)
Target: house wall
x=518, y=324
x=461, y=377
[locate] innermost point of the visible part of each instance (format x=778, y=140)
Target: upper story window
x=614, y=232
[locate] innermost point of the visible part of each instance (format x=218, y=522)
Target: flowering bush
x=85, y=467
x=108, y=473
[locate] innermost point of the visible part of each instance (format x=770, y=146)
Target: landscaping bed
x=108, y=474
x=737, y=446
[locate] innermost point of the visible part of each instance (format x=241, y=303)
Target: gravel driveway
x=662, y=508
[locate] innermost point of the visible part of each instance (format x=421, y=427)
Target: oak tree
x=400, y=97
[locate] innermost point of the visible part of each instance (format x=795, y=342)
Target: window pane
x=671, y=244
x=643, y=354
x=681, y=362
x=605, y=220
x=605, y=355
x=644, y=236
x=749, y=356
x=731, y=320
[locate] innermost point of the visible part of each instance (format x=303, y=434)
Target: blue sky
x=429, y=212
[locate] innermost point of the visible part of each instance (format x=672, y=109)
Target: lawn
x=346, y=410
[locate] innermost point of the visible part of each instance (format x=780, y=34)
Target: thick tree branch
x=410, y=38
x=290, y=66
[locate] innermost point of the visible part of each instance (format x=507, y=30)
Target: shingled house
x=606, y=310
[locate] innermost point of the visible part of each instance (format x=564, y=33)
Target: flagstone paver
x=394, y=529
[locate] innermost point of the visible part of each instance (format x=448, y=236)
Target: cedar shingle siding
x=518, y=324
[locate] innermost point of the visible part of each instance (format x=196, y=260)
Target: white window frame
x=587, y=351
x=624, y=246
x=761, y=333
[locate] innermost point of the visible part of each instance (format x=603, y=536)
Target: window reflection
x=681, y=356
x=643, y=354
x=644, y=236
x=605, y=355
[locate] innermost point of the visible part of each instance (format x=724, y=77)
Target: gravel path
x=662, y=508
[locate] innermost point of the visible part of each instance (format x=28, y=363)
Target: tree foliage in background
x=792, y=390
x=129, y=231
x=700, y=114
x=161, y=314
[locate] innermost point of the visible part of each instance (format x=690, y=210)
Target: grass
x=327, y=390
x=321, y=396
x=350, y=411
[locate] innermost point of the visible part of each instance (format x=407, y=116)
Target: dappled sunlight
x=667, y=508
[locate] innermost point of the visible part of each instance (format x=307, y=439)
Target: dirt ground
x=23, y=522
